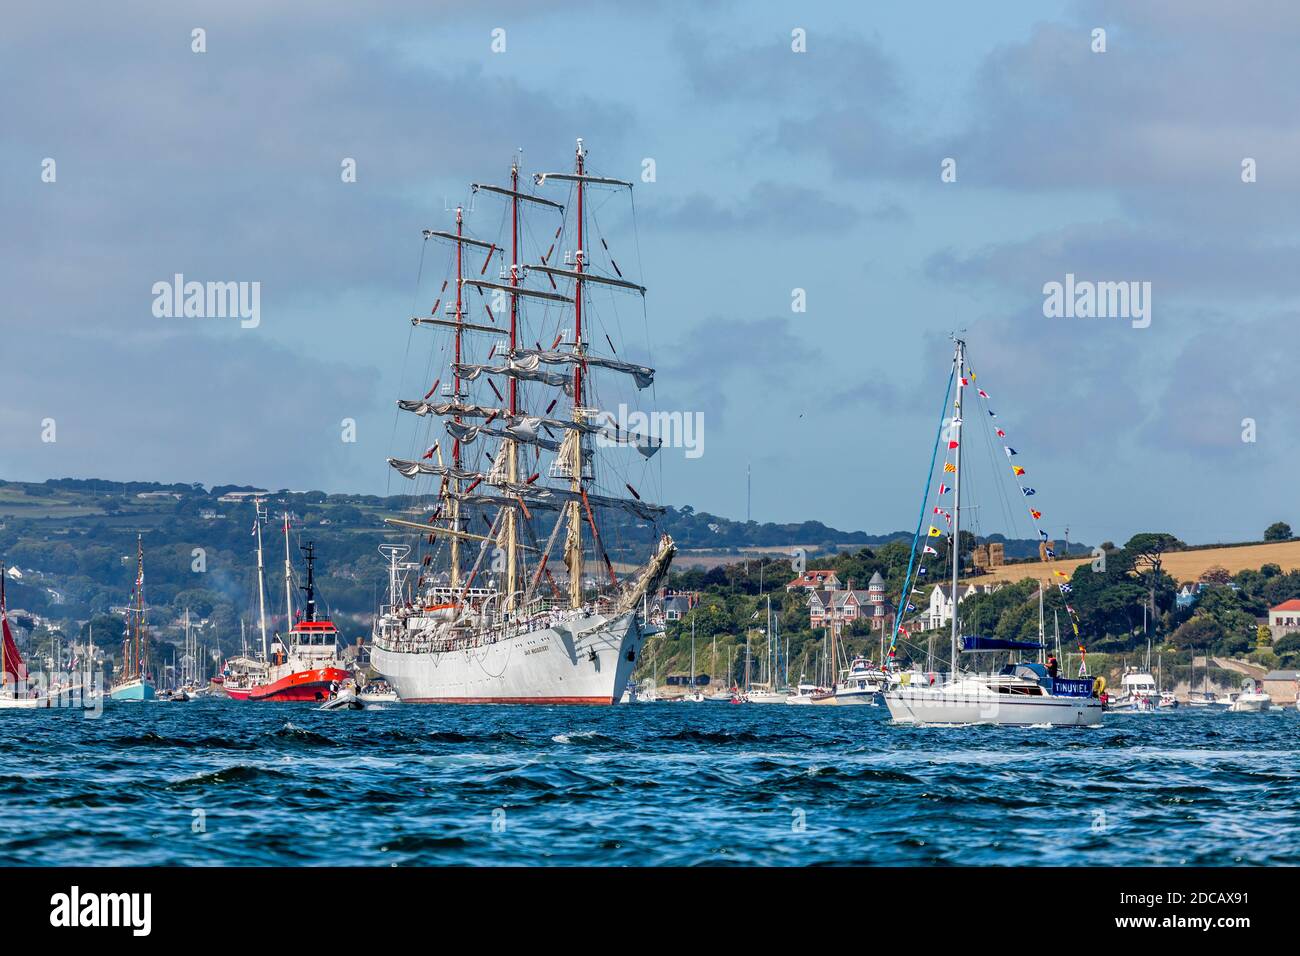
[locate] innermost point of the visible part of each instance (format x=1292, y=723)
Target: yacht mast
x=955, y=551
x=1042, y=632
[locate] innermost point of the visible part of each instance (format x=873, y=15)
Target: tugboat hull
x=302, y=686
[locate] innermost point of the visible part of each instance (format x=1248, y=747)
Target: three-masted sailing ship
x=132, y=680
x=498, y=625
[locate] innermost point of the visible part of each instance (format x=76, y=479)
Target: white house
x=1284, y=619
x=941, y=601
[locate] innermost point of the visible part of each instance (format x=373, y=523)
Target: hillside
x=1182, y=566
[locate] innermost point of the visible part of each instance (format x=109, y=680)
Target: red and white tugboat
x=304, y=665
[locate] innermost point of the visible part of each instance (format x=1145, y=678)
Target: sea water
x=215, y=782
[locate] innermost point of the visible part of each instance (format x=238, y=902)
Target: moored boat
x=1020, y=693
x=305, y=663
x=1251, y=699
x=132, y=681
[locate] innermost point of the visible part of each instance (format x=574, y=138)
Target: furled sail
x=588, y=277
x=470, y=433
x=516, y=290
x=420, y=407
x=644, y=376
x=552, y=499
x=515, y=194
x=526, y=369
x=463, y=240
x=540, y=179
x=459, y=326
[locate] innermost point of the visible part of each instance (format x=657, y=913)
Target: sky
x=775, y=170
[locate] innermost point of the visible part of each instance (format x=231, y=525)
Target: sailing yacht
x=133, y=681
x=13, y=671
x=1019, y=694
x=507, y=631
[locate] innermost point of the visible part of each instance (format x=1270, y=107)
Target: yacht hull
x=585, y=660
x=23, y=703
x=132, y=690
x=942, y=706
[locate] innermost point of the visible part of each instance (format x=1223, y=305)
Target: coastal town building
x=824, y=580
x=1284, y=619
x=941, y=603
x=1281, y=686
x=848, y=605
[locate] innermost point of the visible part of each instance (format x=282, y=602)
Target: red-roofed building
x=815, y=581
x=1284, y=619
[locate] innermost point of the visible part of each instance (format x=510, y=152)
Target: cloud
x=177, y=406
x=776, y=207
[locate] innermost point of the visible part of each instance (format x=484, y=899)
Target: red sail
x=13, y=660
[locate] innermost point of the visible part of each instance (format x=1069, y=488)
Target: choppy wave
x=230, y=783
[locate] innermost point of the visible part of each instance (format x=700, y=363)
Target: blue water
x=221, y=783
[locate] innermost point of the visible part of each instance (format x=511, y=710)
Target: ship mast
x=309, y=610
x=259, y=510
x=512, y=447
x=455, y=447
x=955, y=552
x=288, y=584
x=573, y=543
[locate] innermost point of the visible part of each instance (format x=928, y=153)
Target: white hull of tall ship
x=973, y=702
x=766, y=697
x=586, y=659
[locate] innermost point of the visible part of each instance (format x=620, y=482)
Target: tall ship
x=1022, y=692
x=529, y=462
x=132, y=680
x=303, y=664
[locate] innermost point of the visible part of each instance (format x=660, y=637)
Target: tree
x=1148, y=549
x=1278, y=531
x=1216, y=575
x=1200, y=631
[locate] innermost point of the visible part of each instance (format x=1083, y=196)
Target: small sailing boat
x=693, y=694
x=133, y=681
x=13, y=672
x=1019, y=694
